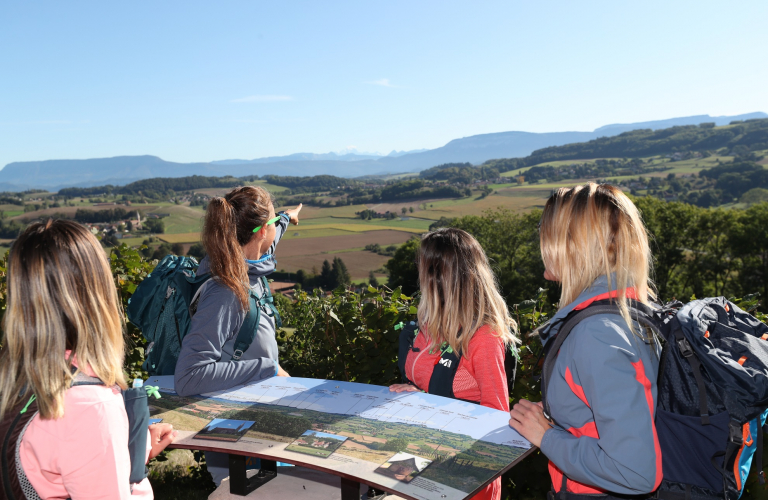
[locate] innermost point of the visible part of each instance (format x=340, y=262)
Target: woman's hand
x=294, y=214
x=403, y=388
x=528, y=419
x=161, y=435
x=281, y=372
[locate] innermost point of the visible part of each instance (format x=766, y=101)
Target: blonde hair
x=60, y=297
x=591, y=231
x=459, y=293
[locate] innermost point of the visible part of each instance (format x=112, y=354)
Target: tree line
x=697, y=252
x=331, y=276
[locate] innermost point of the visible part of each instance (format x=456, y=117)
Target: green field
x=677, y=167
x=328, y=231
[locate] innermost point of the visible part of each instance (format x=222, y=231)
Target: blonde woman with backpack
x=63, y=324
x=601, y=440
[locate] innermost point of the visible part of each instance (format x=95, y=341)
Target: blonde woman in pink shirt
x=63, y=319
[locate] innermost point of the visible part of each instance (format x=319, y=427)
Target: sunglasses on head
x=270, y=221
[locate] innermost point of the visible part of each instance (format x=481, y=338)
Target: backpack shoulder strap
x=248, y=329
x=268, y=300
x=407, y=337
x=553, y=346
x=15, y=484
x=250, y=325
x=82, y=379
x=639, y=312
x=510, y=364
x=17, y=418
x=137, y=410
x=197, y=289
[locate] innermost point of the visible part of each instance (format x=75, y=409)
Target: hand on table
x=528, y=419
x=161, y=435
x=403, y=388
x=281, y=372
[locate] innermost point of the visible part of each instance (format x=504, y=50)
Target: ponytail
x=229, y=224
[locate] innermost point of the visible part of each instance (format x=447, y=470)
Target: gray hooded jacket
x=602, y=396
x=205, y=361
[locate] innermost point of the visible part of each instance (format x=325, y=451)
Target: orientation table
x=414, y=445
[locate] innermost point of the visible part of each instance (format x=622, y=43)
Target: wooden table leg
x=240, y=484
x=350, y=490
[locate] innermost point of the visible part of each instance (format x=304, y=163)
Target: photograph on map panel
x=403, y=467
x=318, y=444
x=223, y=429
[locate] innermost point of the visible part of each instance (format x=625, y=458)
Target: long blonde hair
x=459, y=293
x=591, y=231
x=60, y=297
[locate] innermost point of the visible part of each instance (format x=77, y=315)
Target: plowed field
x=304, y=253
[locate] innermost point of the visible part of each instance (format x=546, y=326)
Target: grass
x=134, y=241
x=473, y=206
x=182, y=219
x=556, y=164
x=310, y=232
x=180, y=238
x=359, y=228
x=396, y=224
x=308, y=212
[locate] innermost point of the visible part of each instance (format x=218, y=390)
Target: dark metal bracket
x=239, y=482
x=350, y=490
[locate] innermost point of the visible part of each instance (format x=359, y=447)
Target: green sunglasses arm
x=270, y=221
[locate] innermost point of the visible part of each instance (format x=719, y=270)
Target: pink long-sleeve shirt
x=83, y=455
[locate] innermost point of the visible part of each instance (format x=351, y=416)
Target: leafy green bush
x=344, y=335
x=129, y=268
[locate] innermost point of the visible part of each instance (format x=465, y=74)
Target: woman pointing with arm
x=240, y=234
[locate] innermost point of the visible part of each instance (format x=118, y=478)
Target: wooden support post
x=240, y=484
x=350, y=490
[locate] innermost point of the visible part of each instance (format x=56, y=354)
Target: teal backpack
x=163, y=304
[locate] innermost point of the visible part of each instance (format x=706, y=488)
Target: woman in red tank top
x=461, y=309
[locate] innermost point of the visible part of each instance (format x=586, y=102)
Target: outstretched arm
x=281, y=226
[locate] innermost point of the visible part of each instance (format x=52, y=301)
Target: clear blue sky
x=201, y=81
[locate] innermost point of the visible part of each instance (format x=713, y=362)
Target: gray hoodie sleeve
x=281, y=227
x=623, y=455
x=200, y=368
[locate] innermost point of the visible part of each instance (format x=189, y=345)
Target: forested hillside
x=736, y=139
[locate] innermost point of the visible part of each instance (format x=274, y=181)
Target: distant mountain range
x=56, y=174
x=344, y=156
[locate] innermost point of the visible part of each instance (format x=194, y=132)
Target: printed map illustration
x=466, y=444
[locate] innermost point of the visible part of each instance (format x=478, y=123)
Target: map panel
x=455, y=446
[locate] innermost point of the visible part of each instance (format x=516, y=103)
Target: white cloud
x=263, y=98
x=383, y=82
